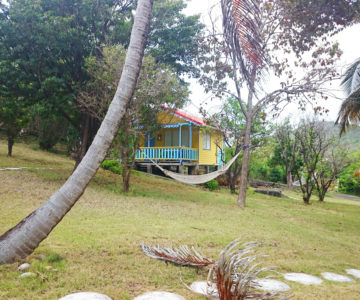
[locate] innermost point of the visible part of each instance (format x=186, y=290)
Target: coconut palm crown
x=349, y=113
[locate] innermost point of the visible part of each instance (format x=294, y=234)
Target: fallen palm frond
x=233, y=277
x=183, y=255
x=236, y=272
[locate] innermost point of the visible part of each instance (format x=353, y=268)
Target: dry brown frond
x=235, y=272
x=183, y=255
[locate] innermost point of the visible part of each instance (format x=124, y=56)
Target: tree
x=50, y=41
x=350, y=109
x=307, y=21
x=22, y=239
x=13, y=116
x=157, y=85
x=335, y=159
x=173, y=37
x=231, y=121
x=287, y=146
x=254, y=42
x=45, y=43
x=313, y=143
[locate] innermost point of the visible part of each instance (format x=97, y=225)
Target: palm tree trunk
x=21, y=240
x=245, y=166
x=245, y=162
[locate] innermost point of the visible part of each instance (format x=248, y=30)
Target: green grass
x=96, y=247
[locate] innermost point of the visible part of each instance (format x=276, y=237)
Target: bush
x=211, y=185
x=276, y=174
x=112, y=165
x=350, y=184
x=349, y=180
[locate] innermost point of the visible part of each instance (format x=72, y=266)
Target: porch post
x=190, y=136
x=179, y=149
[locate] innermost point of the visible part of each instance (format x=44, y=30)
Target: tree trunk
x=289, y=178
x=89, y=129
x=126, y=171
x=126, y=180
x=232, y=181
x=21, y=240
x=245, y=165
x=307, y=199
x=10, y=145
x=249, y=114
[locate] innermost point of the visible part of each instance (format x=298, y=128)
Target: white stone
x=353, y=272
x=24, y=267
x=303, y=278
x=336, y=277
x=48, y=267
x=86, y=296
x=201, y=287
x=159, y=296
x=271, y=285
x=27, y=274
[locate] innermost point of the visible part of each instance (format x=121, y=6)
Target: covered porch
x=174, y=143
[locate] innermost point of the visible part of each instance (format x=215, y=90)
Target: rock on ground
x=271, y=285
x=201, y=287
x=159, y=296
x=27, y=274
x=353, y=272
x=303, y=278
x=336, y=277
x=24, y=267
x=86, y=296
x=274, y=193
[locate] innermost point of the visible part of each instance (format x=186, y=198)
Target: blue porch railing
x=167, y=153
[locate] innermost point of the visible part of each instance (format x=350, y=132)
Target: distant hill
x=350, y=138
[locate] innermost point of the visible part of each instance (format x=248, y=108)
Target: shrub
x=349, y=180
x=276, y=174
x=350, y=184
x=211, y=185
x=112, y=165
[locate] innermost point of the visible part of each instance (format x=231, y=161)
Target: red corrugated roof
x=187, y=116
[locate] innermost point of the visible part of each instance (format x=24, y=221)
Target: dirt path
x=345, y=196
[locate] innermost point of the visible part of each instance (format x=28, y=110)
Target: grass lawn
x=97, y=245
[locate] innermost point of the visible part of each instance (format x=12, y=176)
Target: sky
x=348, y=42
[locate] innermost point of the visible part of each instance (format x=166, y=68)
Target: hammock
x=197, y=179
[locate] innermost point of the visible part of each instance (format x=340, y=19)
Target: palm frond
x=351, y=79
x=235, y=274
x=182, y=255
x=349, y=112
x=242, y=31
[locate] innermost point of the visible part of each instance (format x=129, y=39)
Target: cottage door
x=219, y=157
x=150, y=141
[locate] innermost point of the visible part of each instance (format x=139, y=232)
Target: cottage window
x=207, y=141
x=185, y=137
x=172, y=137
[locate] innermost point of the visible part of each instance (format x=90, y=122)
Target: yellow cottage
x=183, y=141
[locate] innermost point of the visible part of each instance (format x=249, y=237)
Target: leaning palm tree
x=21, y=240
x=350, y=109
